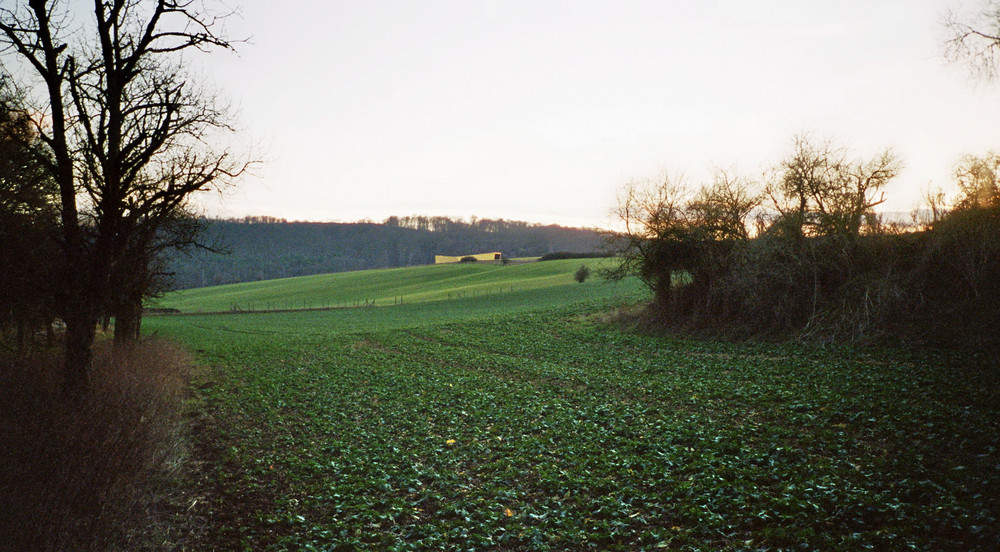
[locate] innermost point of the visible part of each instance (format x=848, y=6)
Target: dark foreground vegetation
x=103, y=140
x=92, y=475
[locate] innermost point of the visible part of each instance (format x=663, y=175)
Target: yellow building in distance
x=443, y=259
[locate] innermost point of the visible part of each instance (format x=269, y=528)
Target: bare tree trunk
x=80, y=329
x=128, y=322
x=662, y=292
x=21, y=333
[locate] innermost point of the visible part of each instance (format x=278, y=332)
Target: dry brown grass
x=83, y=476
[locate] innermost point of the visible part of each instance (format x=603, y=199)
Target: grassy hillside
x=549, y=282
x=263, y=248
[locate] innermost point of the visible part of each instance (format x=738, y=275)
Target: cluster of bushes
x=806, y=255
x=936, y=286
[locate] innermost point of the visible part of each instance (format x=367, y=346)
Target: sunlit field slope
x=392, y=286
x=526, y=421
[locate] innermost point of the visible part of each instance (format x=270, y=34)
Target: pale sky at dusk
x=540, y=111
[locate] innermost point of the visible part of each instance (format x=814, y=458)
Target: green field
x=534, y=281
x=525, y=420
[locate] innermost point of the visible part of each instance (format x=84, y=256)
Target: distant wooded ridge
x=264, y=248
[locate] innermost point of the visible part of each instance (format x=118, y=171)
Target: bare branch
x=975, y=40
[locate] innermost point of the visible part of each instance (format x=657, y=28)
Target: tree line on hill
x=262, y=248
x=804, y=252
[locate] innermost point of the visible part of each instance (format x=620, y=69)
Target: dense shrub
x=937, y=287
x=821, y=263
x=467, y=259
x=955, y=289
x=824, y=286
x=29, y=288
x=77, y=476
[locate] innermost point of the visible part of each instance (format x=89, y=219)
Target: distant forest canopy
x=263, y=248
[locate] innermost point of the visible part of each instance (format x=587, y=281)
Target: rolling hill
x=538, y=283
x=262, y=248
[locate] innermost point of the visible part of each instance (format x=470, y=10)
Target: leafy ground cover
x=479, y=424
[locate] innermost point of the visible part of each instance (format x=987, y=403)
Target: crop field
x=391, y=286
x=531, y=421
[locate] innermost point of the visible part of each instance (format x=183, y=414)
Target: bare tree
x=848, y=207
x=128, y=132
x=932, y=208
x=655, y=222
x=667, y=231
x=820, y=192
x=804, y=173
x=975, y=39
x=978, y=179
x=723, y=208
x=141, y=272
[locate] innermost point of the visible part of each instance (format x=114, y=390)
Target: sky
x=541, y=110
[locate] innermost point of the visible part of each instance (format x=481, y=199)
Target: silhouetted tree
x=820, y=192
x=129, y=134
x=142, y=273
x=28, y=252
x=724, y=208
x=656, y=239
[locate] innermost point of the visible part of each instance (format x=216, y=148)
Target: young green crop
x=481, y=423
x=386, y=287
